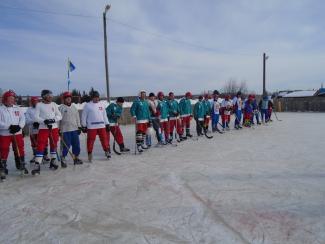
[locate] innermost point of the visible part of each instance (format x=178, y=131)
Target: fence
x=300, y=104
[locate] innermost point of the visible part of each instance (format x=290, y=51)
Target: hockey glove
x=49, y=121
x=35, y=125
x=13, y=129
x=79, y=130
x=108, y=128
x=84, y=129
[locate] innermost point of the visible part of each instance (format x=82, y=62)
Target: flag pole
x=68, y=74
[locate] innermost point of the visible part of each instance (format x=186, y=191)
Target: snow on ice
x=262, y=185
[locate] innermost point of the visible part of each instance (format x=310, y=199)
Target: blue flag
x=71, y=66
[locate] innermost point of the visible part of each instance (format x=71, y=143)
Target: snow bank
x=300, y=94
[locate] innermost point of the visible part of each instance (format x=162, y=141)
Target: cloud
x=34, y=47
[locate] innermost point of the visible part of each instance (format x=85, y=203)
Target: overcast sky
x=199, y=44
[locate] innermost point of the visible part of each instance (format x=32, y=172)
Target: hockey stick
x=276, y=116
x=17, y=151
x=66, y=146
x=207, y=136
x=205, y=128
x=237, y=120
x=177, y=137
x=221, y=127
x=114, y=143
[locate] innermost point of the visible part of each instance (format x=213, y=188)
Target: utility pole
x=264, y=61
x=106, y=51
x=264, y=91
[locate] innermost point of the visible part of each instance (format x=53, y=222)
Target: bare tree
x=243, y=87
x=231, y=87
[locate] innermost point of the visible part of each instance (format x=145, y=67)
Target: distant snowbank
x=300, y=94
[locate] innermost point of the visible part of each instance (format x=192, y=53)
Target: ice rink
x=261, y=185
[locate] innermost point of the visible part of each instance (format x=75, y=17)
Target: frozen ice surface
x=262, y=185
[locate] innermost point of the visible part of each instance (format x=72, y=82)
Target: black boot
x=63, y=163
x=32, y=160
x=17, y=162
x=171, y=137
x=188, y=134
x=123, y=148
x=77, y=161
x=53, y=164
x=2, y=170
x=37, y=169
x=90, y=157
x=182, y=138
x=5, y=166
x=46, y=159
x=108, y=154
x=23, y=169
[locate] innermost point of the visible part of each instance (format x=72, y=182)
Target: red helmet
x=66, y=94
x=160, y=94
x=7, y=94
x=253, y=96
x=34, y=100
x=188, y=94
x=250, y=97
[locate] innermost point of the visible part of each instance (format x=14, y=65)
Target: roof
x=282, y=93
x=321, y=92
x=300, y=94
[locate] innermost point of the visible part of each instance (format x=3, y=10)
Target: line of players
x=166, y=115
x=49, y=123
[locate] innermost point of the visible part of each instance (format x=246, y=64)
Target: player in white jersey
x=12, y=121
x=47, y=115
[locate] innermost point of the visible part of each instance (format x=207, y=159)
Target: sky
x=161, y=45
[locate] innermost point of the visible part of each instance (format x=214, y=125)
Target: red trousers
x=116, y=132
x=91, y=137
x=207, y=121
x=5, y=142
x=44, y=135
x=225, y=118
x=248, y=116
x=177, y=124
x=33, y=140
x=270, y=112
x=164, y=126
x=142, y=127
x=186, y=121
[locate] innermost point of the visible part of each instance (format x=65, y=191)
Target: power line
x=48, y=12
x=155, y=34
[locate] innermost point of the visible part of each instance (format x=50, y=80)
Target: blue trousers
x=71, y=138
x=214, y=121
x=257, y=117
x=238, y=117
x=265, y=115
